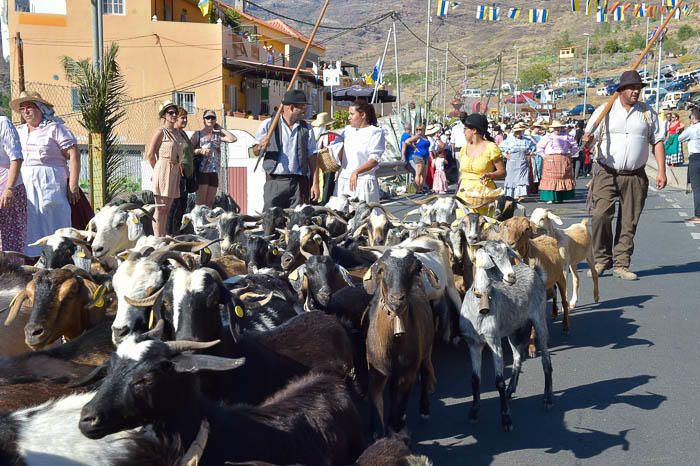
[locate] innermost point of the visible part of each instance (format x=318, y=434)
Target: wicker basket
x=475, y=200
x=326, y=162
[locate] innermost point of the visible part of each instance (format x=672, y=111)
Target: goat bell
x=399, y=328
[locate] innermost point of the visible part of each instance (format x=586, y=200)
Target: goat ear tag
x=487, y=225
x=317, y=221
x=135, y=220
x=318, y=240
x=100, y=303
x=239, y=311
x=275, y=251
x=81, y=254
x=207, y=251
x=368, y=275
x=294, y=276
x=185, y=220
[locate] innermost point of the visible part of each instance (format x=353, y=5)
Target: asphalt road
x=624, y=378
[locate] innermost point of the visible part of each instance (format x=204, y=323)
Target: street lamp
x=585, y=76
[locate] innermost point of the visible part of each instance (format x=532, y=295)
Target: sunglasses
x=172, y=113
x=210, y=117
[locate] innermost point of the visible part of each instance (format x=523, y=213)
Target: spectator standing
x=439, y=176
x=517, y=150
x=13, y=200
x=579, y=159
x=290, y=156
x=556, y=148
x=673, y=149
x=364, y=145
x=186, y=180
x=407, y=149
x=421, y=153
x=165, y=154
x=622, y=145
x=324, y=138
x=50, y=170
x=207, y=146
x=692, y=135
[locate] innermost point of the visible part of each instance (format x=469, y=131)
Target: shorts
x=418, y=159
x=210, y=179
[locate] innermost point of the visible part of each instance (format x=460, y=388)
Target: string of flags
x=603, y=10
x=443, y=6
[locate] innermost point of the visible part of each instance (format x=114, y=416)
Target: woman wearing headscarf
x=557, y=148
x=517, y=149
x=51, y=168
x=13, y=200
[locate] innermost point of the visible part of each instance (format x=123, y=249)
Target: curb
x=677, y=176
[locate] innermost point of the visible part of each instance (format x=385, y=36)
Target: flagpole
x=381, y=65
x=658, y=68
x=396, y=66
x=427, y=61
x=647, y=43
x=444, y=95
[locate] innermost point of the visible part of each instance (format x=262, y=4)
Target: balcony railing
x=238, y=47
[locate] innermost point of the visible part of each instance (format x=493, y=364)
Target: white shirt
x=692, y=135
x=623, y=138
x=361, y=145
x=287, y=163
x=10, y=149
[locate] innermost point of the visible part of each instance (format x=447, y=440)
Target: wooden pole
x=20, y=62
x=635, y=65
x=263, y=145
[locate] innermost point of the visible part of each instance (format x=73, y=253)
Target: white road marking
x=695, y=235
x=682, y=214
x=689, y=224
x=675, y=206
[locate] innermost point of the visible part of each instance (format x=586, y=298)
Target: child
x=439, y=178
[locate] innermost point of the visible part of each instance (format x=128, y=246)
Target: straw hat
x=557, y=124
x=519, y=127
x=28, y=97
x=166, y=105
x=322, y=119
x=432, y=129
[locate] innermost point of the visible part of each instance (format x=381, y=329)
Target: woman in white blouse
x=364, y=146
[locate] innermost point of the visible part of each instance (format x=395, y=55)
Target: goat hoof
x=532, y=351
x=474, y=415
x=572, y=305
x=507, y=423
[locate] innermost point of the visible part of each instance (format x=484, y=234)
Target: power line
x=422, y=41
x=274, y=13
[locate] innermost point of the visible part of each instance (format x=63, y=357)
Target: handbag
x=328, y=158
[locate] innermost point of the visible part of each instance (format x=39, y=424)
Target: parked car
x=649, y=92
x=676, y=101
x=603, y=90
x=520, y=98
x=578, y=110
x=676, y=86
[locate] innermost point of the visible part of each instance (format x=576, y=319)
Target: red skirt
x=557, y=173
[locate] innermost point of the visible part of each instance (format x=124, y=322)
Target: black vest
x=272, y=153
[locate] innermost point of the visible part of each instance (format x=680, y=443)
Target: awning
x=264, y=70
x=353, y=92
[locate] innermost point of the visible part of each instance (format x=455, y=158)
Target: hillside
x=479, y=41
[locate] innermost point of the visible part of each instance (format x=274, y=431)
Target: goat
x=257, y=253
x=65, y=246
x=399, y=334
x=274, y=219
x=13, y=280
x=391, y=451
x=232, y=228
x=63, y=305
x=543, y=252
x=505, y=207
x=118, y=227
x=317, y=280
x=574, y=245
x=138, y=390
x=377, y=223
x=504, y=301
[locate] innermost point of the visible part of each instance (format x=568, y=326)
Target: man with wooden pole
x=288, y=150
x=621, y=147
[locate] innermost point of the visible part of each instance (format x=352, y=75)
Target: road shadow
x=534, y=427
x=690, y=267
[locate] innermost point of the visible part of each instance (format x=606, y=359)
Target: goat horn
x=373, y=205
x=161, y=256
x=426, y=200
x=144, y=302
x=331, y=212
x=179, y=346
x=15, y=306
x=78, y=272
x=194, y=453
x=203, y=245
x=326, y=251
x=30, y=269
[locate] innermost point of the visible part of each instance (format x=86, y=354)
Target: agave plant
x=101, y=95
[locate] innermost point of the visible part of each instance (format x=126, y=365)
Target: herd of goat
x=258, y=339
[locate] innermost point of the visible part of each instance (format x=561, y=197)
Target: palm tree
x=101, y=98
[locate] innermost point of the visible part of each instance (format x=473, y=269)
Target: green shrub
x=685, y=32
x=535, y=74
x=612, y=46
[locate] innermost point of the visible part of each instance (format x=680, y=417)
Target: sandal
x=694, y=220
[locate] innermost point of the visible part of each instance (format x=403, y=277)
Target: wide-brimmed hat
x=520, y=127
x=165, y=106
x=28, y=97
x=557, y=124
x=432, y=129
x=294, y=97
x=477, y=121
x=322, y=119
x=630, y=78
x=209, y=112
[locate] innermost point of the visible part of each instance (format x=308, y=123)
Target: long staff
x=636, y=64
x=263, y=145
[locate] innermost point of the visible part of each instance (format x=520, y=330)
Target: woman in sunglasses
x=207, y=150
x=165, y=154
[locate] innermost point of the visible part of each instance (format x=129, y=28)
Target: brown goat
x=399, y=335
x=62, y=306
x=543, y=252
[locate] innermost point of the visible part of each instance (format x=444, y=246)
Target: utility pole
x=427, y=58
x=444, y=95
x=20, y=62
x=96, y=141
x=515, y=95
x=396, y=66
x=585, y=76
x=658, y=68
x=97, y=34
x=500, y=84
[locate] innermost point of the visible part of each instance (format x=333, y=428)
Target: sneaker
x=600, y=268
x=624, y=273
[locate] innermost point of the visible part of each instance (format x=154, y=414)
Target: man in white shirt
x=692, y=135
x=622, y=143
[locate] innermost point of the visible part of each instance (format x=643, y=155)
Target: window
x=74, y=99
x=183, y=16
x=53, y=7
x=113, y=7
x=185, y=100
x=233, y=97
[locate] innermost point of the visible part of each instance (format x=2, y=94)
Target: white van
x=471, y=93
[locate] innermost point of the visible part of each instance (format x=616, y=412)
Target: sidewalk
x=677, y=176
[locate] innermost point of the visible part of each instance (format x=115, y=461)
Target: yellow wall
x=194, y=15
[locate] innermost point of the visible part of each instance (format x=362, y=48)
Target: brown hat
x=209, y=113
x=630, y=78
x=28, y=97
x=165, y=106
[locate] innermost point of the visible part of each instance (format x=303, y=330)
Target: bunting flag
x=626, y=7
x=589, y=7
x=686, y=10
x=455, y=5
x=601, y=16
x=480, y=12
x=442, y=8
x=493, y=13
x=613, y=7
x=640, y=11
x=603, y=4
x=514, y=13
x=618, y=14
x=651, y=11
x=205, y=7
x=671, y=4
x=538, y=15
x=575, y=5
x=677, y=14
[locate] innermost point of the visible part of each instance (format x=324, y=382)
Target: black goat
x=312, y=421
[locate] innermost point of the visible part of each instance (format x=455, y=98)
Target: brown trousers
x=631, y=192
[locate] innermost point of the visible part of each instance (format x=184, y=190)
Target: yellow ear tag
x=487, y=225
x=294, y=275
x=207, y=251
x=151, y=319
x=275, y=252
x=82, y=254
x=317, y=221
x=319, y=240
x=100, y=303
x=239, y=311
x=368, y=274
x=185, y=220
x=98, y=292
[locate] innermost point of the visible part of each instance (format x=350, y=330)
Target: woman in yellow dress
x=480, y=163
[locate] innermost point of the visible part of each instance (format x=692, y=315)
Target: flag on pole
x=480, y=12
x=514, y=13
x=205, y=7
x=538, y=15
x=575, y=5
x=493, y=13
x=376, y=76
x=613, y=7
x=601, y=16
x=589, y=7
x=442, y=8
